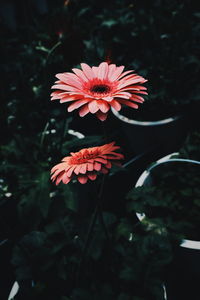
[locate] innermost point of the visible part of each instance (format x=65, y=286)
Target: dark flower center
x=100, y=88
x=83, y=157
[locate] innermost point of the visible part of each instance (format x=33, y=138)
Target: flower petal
x=80, y=74
x=83, y=168
x=84, y=110
x=90, y=167
x=82, y=179
x=108, y=98
x=101, y=160
x=116, y=105
x=70, y=171
x=59, y=178
x=108, y=165
x=87, y=71
x=65, y=87
x=93, y=106
x=125, y=73
x=129, y=82
x=141, y=92
x=92, y=176
x=76, y=105
x=71, y=98
x=101, y=116
x=65, y=178
x=103, y=70
x=70, y=80
x=95, y=71
x=104, y=170
x=77, y=169
x=137, y=98
x=56, y=95
x=111, y=70
x=103, y=106
x=97, y=166
x=128, y=103
x=60, y=166
x=124, y=95
x=117, y=73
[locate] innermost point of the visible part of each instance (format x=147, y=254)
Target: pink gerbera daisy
x=86, y=164
x=97, y=89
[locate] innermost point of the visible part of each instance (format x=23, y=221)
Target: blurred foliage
x=46, y=226
x=190, y=148
x=170, y=199
x=52, y=258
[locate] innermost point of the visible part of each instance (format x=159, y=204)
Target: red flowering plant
x=49, y=229
x=95, y=90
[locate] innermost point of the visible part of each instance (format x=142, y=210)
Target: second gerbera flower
x=86, y=164
x=97, y=89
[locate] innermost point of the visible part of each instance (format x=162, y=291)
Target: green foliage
x=170, y=200
x=190, y=148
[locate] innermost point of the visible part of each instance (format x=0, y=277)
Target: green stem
x=86, y=244
x=63, y=134
x=90, y=230
x=103, y=225
x=100, y=211
x=43, y=135
x=52, y=50
x=97, y=212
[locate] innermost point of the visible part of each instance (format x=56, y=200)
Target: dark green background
x=45, y=226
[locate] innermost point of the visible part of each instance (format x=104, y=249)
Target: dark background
x=43, y=227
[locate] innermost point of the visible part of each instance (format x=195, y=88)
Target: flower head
x=97, y=89
x=86, y=164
